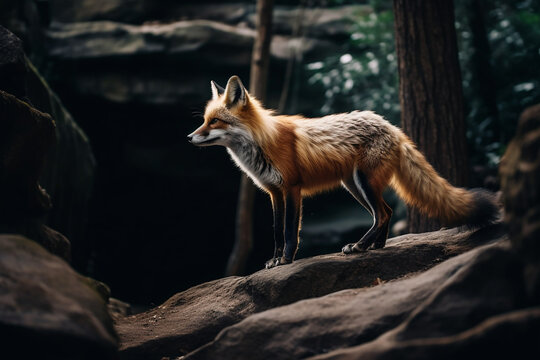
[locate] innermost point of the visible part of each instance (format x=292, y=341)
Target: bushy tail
x=419, y=185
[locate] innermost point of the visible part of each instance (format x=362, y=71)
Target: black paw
x=276, y=262
x=351, y=248
x=271, y=263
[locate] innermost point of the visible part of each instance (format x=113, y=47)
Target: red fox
x=290, y=157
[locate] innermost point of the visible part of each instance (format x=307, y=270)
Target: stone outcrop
x=333, y=22
x=68, y=173
x=26, y=136
x=47, y=310
x=22, y=164
x=514, y=333
x=12, y=63
x=182, y=50
x=192, y=318
x=37, y=150
x=520, y=173
x=170, y=56
x=442, y=301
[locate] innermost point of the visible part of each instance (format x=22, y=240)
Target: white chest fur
x=251, y=159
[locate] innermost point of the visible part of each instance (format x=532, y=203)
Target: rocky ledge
x=47, y=310
x=304, y=309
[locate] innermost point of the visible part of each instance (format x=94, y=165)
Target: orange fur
x=418, y=184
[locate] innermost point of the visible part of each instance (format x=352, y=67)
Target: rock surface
x=334, y=22
x=47, y=310
x=444, y=300
x=68, y=173
x=12, y=63
x=481, y=311
x=26, y=135
x=85, y=10
x=176, y=47
x=39, y=150
x=520, y=173
x=192, y=318
x=499, y=337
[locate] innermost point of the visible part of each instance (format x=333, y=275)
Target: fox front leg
x=278, y=209
x=293, y=214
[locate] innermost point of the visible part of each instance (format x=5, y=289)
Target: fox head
x=226, y=115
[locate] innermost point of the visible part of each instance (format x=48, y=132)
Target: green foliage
x=365, y=77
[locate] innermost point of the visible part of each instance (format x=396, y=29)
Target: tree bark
x=257, y=87
x=430, y=90
x=483, y=78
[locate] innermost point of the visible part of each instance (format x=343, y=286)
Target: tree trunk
x=257, y=87
x=483, y=78
x=430, y=90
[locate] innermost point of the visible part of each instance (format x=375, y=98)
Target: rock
x=336, y=23
x=433, y=303
x=50, y=239
x=469, y=315
x=47, y=310
x=87, y=10
x=68, y=174
x=26, y=135
x=12, y=63
x=60, y=157
x=192, y=318
x=329, y=23
x=520, y=180
x=118, y=309
x=176, y=53
x=499, y=337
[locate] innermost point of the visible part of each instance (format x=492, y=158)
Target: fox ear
x=235, y=92
x=216, y=89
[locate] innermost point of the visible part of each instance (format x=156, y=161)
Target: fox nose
x=190, y=137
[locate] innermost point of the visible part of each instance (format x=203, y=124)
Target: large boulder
x=334, y=22
x=85, y=10
x=68, y=173
x=21, y=164
x=192, y=318
x=12, y=63
x=26, y=136
x=39, y=150
x=183, y=50
x=47, y=310
x=442, y=301
x=520, y=174
x=503, y=336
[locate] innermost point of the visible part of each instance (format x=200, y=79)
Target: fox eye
x=214, y=121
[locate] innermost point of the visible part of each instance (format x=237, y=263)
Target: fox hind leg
x=350, y=186
x=371, y=198
x=382, y=234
